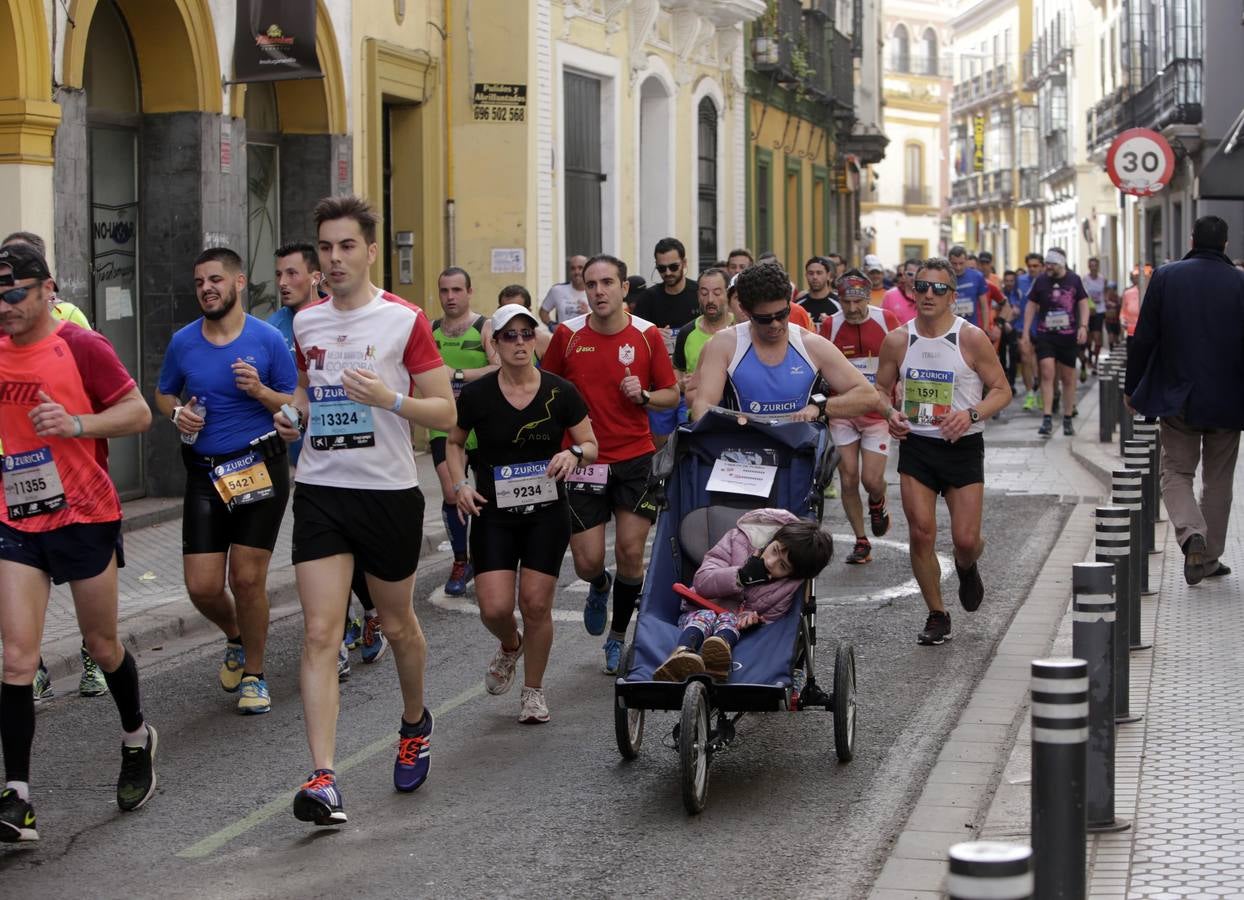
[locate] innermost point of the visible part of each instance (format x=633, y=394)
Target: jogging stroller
x=703, y=470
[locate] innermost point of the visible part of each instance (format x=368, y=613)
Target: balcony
x=1169, y=98
x=998, y=186
x=917, y=195
x=982, y=89
x=1105, y=120
x=1046, y=54
x=965, y=192
x=1055, y=154
x=940, y=67
x=774, y=41
x=801, y=51
x=1029, y=188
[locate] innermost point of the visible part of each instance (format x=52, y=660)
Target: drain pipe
x=451, y=243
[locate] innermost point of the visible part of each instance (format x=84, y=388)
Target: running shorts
x=940, y=465
x=504, y=542
x=872, y=434
x=627, y=488
x=1060, y=347
x=382, y=530
x=207, y=523
x=1096, y=320
x=71, y=553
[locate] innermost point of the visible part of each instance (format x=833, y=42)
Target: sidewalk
x=1179, y=775
x=154, y=607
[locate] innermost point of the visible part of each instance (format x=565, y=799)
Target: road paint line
x=276, y=805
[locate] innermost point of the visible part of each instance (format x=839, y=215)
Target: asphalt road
x=522, y=811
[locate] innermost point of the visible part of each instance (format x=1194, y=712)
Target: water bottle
x=199, y=409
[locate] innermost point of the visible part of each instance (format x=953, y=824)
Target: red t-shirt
x=861, y=344
x=596, y=364
x=78, y=369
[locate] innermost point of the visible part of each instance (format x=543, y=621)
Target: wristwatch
x=577, y=451
x=974, y=415
x=646, y=398
x=459, y=376
x=819, y=401
x=176, y=412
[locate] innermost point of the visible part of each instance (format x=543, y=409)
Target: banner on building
x=978, y=143
x=275, y=41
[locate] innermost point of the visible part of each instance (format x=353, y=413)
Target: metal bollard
x=1146, y=429
x=1107, y=397
x=1059, y=736
x=1125, y=418
x=989, y=870
x=1136, y=457
x=1127, y=491
x=1093, y=639
x=1113, y=539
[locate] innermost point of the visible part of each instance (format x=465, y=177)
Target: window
x=820, y=210
x=913, y=165
x=707, y=174
x=900, y=58
x=915, y=250
x=584, y=173
x=930, y=52
x=794, y=213
x=764, y=202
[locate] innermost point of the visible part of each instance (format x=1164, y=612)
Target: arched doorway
x=114, y=120
x=656, y=168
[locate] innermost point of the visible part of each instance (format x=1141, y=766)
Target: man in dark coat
x=1186, y=365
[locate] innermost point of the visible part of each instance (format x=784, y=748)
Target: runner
x=819, y=300
x=972, y=295
x=299, y=281
x=670, y=304
x=1095, y=287
x=863, y=441
x=769, y=366
x=946, y=366
x=619, y=364
x=1113, y=305
x=520, y=416
x=714, y=316
x=1129, y=305
x=66, y=394
x=358, y=495
x=462, y=337
x=516, y=293
x=738, y=260
x=900, y=300
x=875, y=269
x=1011, y=320
x=1059, y=305
x=568, y=298
x=62, y=310
x=236, y=372
x=1034, y=265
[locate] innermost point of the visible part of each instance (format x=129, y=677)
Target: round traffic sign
x=1140, y=162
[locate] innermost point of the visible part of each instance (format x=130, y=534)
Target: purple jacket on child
x=718, y=576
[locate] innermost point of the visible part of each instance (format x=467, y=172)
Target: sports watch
x=577, y=451
x=974, y=415
x=459, y=376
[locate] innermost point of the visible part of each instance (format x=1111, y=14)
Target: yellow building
x=993, y=129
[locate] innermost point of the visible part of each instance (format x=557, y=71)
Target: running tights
x=17, y=729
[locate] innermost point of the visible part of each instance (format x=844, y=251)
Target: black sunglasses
x=17, y=295
x=762, y=319
x=940, y=289
x=669, y=267
x=511, y=336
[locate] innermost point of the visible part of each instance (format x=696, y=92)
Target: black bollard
x=1146, y=429
x=1113, y=540
x=1107, y=395
x=1093, y=639
x=1059, y=735
x=1127, y=491
x=989, y=870
x=1136, y=458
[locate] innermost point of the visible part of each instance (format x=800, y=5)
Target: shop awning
x=1222, y=178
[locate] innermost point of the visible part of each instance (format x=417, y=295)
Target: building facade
x=814, y=125
x=988, y=127
x=905, y=213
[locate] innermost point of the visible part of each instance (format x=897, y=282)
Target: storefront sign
x=978, y=143
x=494, y=102
x=1140, y=162
x=275, y=41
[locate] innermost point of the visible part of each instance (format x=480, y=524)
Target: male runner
x=858, y=331
x=738, y=260
x=65, y=394
x=875, y=270
x=360, y=354
x=462, y=337
x=818, y=300
x=567, y=298
x=1034, y=265
x=619, y=364
x=62, y=310
x=670, y=304
x=714, y=316
x=945, y=365
x=770, y=366
x=972, y=294
x=1095, y=287
x=1059, y=305
x=237, y=471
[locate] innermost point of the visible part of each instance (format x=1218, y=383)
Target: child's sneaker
x=718, y=660
x=680, y=666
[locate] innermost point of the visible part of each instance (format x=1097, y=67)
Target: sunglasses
x=669, y=267
x=17, y=295
x=512, y=335
x=769, y=319
x=940, y=289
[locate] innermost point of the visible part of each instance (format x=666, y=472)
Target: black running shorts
x=69, y=553
x=209, y=526
x=1060, y=347
x=939, y=464
x=1096, y=320
x=383, y=530
x=627, y=489
x=505, y=542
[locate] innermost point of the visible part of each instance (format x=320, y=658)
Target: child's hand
x=753, y=572
x=747, y=619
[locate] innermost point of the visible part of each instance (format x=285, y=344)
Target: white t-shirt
x=566, y=300
x=348, y=444
x=1096, y=289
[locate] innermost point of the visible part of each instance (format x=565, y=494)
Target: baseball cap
x=504, y=314
x=872, y=263
x=25, y=262
x=985, y=257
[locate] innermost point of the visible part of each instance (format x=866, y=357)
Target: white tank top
x=937, y=380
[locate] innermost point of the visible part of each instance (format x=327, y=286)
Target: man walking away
x=1185, y=364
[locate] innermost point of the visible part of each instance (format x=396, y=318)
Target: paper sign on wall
x=117, y=303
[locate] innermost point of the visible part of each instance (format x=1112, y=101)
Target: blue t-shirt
x=1023, y=284
x=969, y=291
x=283, y=321
x=195, y=367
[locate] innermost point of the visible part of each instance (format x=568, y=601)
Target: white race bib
x=1057, y=320
x=32, y=485
x=867, y=365
x=523, y=484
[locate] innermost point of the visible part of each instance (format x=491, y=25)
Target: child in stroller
x=752, y=574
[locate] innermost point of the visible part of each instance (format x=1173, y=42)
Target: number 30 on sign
x=1140, y=162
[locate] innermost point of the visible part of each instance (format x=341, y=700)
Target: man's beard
x=228, y=301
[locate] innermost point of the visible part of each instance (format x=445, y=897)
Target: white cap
x=872, y=263
x=504, y=314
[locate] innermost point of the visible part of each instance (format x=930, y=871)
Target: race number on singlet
x=867, y=365
x=243, y=480
x=32, y=485
x=588, y=479
x=337, y=422
x=927, y=395
x=520, y=485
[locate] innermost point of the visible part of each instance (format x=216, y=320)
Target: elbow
x=142, y=418
x=448, y=417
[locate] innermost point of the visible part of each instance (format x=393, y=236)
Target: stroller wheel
x=693, y=747
x=844, y=702
x=628, y=727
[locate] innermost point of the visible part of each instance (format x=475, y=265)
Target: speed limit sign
x=1140, y=162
